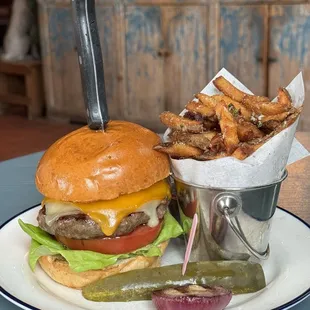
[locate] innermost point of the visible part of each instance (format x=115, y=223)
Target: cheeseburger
x=105, y=206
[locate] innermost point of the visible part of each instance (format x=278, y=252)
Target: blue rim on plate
x=6, y=294
x=17, y=301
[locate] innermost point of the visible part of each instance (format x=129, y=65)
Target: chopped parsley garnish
x=235, y=112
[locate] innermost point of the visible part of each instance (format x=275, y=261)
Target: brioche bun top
x=87, y=165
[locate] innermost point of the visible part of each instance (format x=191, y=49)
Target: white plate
x=287, y=271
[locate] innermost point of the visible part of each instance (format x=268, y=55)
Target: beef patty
x=81, y=226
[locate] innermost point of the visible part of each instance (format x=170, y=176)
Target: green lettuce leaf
x=39, y=235
x=43, y=244
x=186, y=222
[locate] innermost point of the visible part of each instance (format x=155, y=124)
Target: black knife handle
x=91, y=63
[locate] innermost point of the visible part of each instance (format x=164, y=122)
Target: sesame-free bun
x=87, y=165
x=60, y=271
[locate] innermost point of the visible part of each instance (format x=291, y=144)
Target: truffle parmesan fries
x=231, y=124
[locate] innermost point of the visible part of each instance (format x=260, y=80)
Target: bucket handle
x=228, y=205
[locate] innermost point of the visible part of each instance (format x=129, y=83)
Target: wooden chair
x=27, y=91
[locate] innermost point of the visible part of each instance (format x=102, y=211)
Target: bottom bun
x=60, y=271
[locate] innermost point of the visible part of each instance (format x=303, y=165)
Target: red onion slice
x=192, y=297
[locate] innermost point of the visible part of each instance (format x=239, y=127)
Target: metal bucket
x=233, y=223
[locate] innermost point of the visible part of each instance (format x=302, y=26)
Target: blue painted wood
x=241, y=44
x=290, y=47
x=144, y=67
x=62, y=74
x=64, y=93
x=106, y=16
x=143, y=23
x=60, y=27
x=186, y=68
x=292, y=35
x=166, y=58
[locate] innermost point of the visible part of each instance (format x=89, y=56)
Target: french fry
x=209, y=155
x=245, y=150
x=271, y=122
x=180, y=123
x=210, y=134
x=234, y=93
x=270, y=126
x=274, y=132
x=248, y=131
x=210, y=125
x=284, y=98
x=291, y=118
x=178, y=150
x=198, y=107
x=237, y=106
x=278, y=117
x=264, y=109
x=217, y=143
x=193, y=116
x=234, y=124
x=207, y=100
x=200, y=140
x=229, y=127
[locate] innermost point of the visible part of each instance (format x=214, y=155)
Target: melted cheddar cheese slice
x=109, y=213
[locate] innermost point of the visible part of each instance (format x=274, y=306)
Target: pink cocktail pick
x=190, y=243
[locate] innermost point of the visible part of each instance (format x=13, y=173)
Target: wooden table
x=20, y=136
x=295, y=191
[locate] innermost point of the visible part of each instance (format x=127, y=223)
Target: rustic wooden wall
x=158, y=53
x=290, y=49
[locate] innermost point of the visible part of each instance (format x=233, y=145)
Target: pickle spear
x=238, y=276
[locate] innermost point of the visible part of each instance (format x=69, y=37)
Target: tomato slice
x=140, y=237
x=190, y=209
